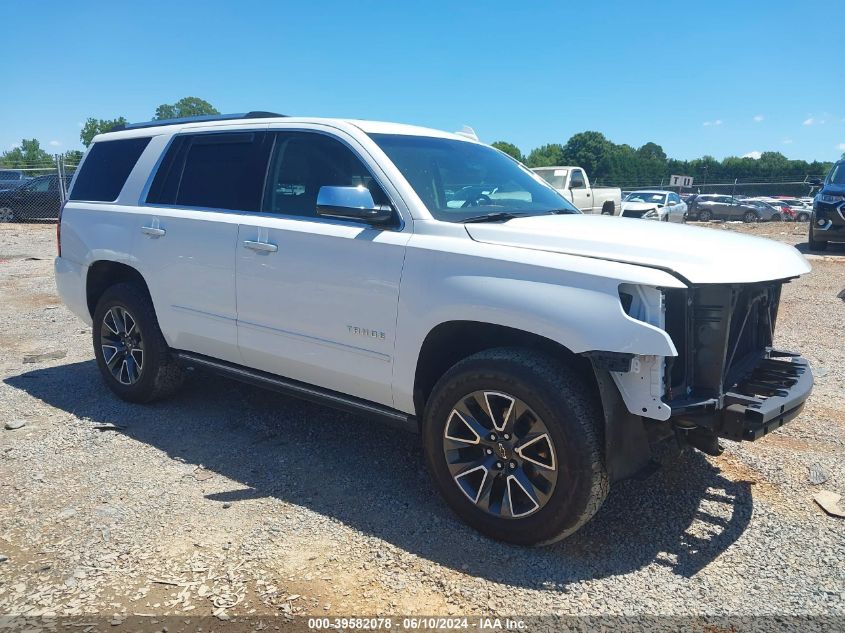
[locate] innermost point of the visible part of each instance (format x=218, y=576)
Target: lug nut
x=507, y=436
x=499, y=465
x=492, y=437
x=489, y=451
x=512, y=465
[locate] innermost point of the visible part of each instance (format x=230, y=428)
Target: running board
x=312, y=393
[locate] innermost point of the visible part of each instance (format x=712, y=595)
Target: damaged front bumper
x=771, y=393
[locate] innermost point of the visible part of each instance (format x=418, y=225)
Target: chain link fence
x=34, y=193
x=796, y=186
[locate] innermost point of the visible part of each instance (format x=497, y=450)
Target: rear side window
x=106, y=169
x=218, y=171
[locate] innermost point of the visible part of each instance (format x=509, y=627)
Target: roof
x=369, y=127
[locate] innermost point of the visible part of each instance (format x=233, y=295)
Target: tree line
x=625, y=166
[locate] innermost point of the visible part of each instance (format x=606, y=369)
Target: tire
x=705, y=215
x=813, y=244
x=608, y=208
x=749, y=216
x=7, y=214
x=555, y=399
x=147, y=373
x=803, y=216
x=775, y=217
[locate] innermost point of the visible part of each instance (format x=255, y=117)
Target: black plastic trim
x=305, y=391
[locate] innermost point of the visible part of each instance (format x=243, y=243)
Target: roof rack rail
x=255, y=114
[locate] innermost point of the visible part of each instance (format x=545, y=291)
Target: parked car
x=800, y=209
x=539, y=351
x=11, y=178
x=708, y=207
x=827, y=222
x=37, y=199
x=785, y=212
x=665, y=206
x=574, y=185
x=775, y=210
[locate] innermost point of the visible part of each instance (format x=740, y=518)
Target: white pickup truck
x=433, y=282
x=574, y=185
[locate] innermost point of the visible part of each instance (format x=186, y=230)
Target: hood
x=640, y=206
x=699, y=255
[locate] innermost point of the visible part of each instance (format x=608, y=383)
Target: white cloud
x=13, y=146
x=758, y=118
x=755, y=154
x=55, y=143
x=80, y=124
x=809, y=121
x=787, y=141
x=712, y=123
x=841, y=146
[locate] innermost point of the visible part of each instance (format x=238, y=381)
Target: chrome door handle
x=264, y=247
x=152, y=231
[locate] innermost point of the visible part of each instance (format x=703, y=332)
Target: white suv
x=432, y=281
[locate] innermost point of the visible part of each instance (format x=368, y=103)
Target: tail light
x=59, y=229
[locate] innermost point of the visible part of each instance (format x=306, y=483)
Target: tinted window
x=106, y=169
x=43, y=185
x=577, y=180
x=219, y=171
x=9, y=175
x=302, y=163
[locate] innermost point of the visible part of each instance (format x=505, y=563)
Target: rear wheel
x=7, y=215
x=608, y=208
x=131, y=352
x=512, y=441
x=749, y=216
x=803, y=216
x=705, y=215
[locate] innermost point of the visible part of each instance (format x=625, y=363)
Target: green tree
x=546, y=156
x=187, y=106
x=94, y=126
x=589, y=150
x=510, y=149
x=652, y=151
x=72, y=157
x=28, y=154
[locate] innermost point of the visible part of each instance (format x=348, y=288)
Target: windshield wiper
x=496, y=216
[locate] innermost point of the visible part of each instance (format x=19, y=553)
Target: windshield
x=837, y=175
x=642, y=196
x=458, y=180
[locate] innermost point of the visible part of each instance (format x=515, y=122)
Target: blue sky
x=716, y=77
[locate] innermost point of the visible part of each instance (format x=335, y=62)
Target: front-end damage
x=726, y=381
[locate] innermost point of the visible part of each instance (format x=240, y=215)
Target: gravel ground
x=232, y=501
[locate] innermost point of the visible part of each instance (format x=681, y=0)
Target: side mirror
x=351, y=203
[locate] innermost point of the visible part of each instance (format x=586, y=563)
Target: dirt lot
x=231, y=501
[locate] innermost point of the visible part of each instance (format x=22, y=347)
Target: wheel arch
x=452, y=341
x=102, y=274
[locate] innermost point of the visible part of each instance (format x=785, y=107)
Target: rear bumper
x=771, y=394
x=70, y=283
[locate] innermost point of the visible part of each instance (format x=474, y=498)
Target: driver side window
x=302, y=162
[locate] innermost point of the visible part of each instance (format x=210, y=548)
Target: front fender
x=578, y=310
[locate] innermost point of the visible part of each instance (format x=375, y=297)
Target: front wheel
x=813, y=244
x=705, y=216
x=512, y=440
x=803, y=216
x=749, y=216
x=7, y=215
x=131, y=352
